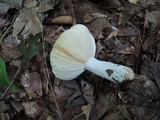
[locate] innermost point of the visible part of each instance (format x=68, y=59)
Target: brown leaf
x=63, y=20
x=89, y=17
x=17, y=106
x=9, y=52
x=152, y=20
x=32, y=108
x=152, y=71
x=32, y=84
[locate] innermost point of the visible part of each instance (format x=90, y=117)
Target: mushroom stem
x=113, y=72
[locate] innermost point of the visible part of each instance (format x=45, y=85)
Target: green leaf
x=32, y=49
x=3, y=76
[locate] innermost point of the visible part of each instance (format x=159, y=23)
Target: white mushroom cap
x=71, y=52
x=74, y=52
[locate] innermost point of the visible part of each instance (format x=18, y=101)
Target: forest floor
x=126, y=32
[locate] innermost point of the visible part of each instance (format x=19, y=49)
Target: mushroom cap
x=71, y=51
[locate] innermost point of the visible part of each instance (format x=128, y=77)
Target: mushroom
x=74, y=52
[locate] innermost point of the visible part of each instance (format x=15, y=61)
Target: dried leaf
x=9, y=52
x=32, y=109
x=134, y=1
x=89, y=17
x=152, y=71
x=152, y=20
x=17, y=106
x=29, y=17
x=4, y=106
x=146, y=3
x=6, y=4
x=76, y=98
x=86, y=109
x=32, y=84
x=30, y=3
x=88, y=91
x=113, y=34
x=63, y=20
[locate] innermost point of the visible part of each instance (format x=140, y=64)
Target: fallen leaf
x=2, y=21
x=32, y=108
x=32, y=84
x=89, y=17
x=113, y=34
x=4, y=106
x=63, y=20
x=88, y=91
x=152, y=20
x=9, y=52
x=30, y=3
x=76, y=98
x=6, y=4
x=134, y=1
x=152, y=71
x=86, y=109
x=29, y=17
x=146, y=3
x=18, y=106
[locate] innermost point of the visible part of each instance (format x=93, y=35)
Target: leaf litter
x=126, y=32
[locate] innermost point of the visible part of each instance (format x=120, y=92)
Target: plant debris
x=126, y=32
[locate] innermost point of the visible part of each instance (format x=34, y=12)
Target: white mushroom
x=74, y=52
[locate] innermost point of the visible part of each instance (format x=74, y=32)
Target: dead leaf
x=83, y=11
x=86, y=109
x=4, y=106
x=32, y=108
x=113, y=34
x=152, y=71
x=4, y=116
x=30, y=3
x=2, y=21
x=63, y=20
x=12, y=40
x=97, y=26
x=9, y=52
x=152, y=20
x=17, y=106
x=134, y=1
x=6, y=4
x=32, y=84
x=146, y=3
x=76, y=98
x=88, y=91
x=29, y=17
x=89, y=17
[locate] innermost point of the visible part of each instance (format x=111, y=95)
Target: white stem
x=113, y=72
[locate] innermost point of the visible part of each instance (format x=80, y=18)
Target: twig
x=10, y=85
x=81, y=114
x=4, y=34
x=48, y=77
x=1, y=39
